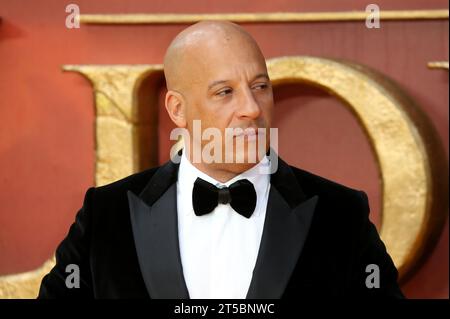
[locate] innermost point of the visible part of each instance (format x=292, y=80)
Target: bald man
x=242, y=225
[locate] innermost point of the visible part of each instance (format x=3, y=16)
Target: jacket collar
x=283, y=179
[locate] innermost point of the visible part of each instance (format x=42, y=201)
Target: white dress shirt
x=219, y=250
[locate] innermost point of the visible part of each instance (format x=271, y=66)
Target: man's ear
x=176, y=107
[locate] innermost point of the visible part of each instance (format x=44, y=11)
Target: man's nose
x=248, y=106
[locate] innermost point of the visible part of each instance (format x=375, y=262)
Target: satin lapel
x=155, y=231
x=288, y=218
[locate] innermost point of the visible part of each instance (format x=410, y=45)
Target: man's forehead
x=211, y=50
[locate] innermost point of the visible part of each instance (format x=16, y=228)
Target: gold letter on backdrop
x=411, y=161
x=126, y=118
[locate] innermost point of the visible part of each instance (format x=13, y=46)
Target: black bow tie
x=241, y=195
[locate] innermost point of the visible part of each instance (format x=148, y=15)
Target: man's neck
x=222, y=173
x=218, y=171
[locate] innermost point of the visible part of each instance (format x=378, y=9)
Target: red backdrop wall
x=47, y=116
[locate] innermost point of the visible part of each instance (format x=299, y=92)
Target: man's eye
x=224, y=92
x=260, y=86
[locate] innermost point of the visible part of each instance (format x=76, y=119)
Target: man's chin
x=235, y=168
x=241, y=164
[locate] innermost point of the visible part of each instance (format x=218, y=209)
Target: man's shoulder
x=333, y=191
x=118, y=189
x=338, y=204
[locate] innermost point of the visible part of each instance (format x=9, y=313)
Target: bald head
x=202, y=45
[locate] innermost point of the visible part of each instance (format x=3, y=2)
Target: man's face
x=230, y=88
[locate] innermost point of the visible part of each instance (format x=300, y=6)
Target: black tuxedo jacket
x=317, y=242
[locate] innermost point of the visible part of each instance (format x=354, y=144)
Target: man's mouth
x=250, y=133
